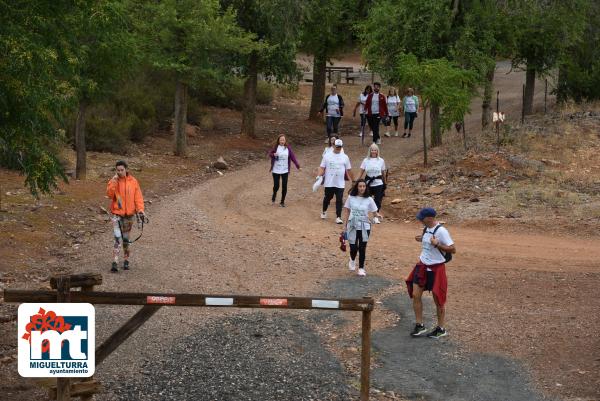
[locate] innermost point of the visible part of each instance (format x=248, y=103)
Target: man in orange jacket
x=126, y=201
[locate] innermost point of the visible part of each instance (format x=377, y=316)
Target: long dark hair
x=368, y=89
x=354, y=189
x=278, y=138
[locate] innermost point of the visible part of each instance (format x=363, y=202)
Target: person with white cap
x=335, y=169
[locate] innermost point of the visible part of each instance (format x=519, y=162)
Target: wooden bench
x=345, y=70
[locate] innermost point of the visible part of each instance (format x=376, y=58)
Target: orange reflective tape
x=274, y=301
x=155, y=299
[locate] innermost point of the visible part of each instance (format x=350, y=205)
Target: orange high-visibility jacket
x=125, y=196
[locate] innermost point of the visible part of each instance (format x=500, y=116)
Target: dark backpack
x=447, y=255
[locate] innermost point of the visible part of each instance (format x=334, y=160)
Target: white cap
x=338, y=143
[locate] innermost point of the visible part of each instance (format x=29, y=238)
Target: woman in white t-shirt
x=331, y=146
x=393, y=104
x=373, y=170
x=362, y=99
x=358, y=212
x=281, y=158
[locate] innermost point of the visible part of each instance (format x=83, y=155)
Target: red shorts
x=434, y=280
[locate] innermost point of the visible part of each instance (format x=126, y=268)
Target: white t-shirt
x=410, y=105
x=281, y=161
x=430, y=255
x=359, y=211
x=362, y=98
x=335, y=165
x=333, y=106
x=393, y=104
x=375, y=103
x=373, y=167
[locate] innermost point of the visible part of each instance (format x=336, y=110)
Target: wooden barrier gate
x=152, y=302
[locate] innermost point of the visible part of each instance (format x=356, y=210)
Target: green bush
x=230, y=93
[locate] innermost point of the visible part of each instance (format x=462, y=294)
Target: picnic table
x=346, y=70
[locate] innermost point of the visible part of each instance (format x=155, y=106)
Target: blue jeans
x=332, y=125
x=409, y=119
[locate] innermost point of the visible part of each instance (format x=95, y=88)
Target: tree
x=273, y=24
x=326, y=30
x=34, y=94
x=188, y=39
x=103, y=44
x=424, y=38
x=544, y=31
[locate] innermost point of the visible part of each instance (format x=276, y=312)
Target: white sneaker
x=376, y=220
x=360, y=134
x=362, y=272
x=379, y=142
x=339, y=221
x=396, y=133
x=387, y=134
x=371, y=133
x=351, y=265
x=323, y=215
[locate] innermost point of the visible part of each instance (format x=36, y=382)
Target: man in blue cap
x=429, y=274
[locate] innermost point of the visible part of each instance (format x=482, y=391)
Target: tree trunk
x=80, y=166
x=529, y=91
x=180, y=118
x=249, y=107
x=424, y=135
x=486, y=106
x=436, y=129
x=318, y=89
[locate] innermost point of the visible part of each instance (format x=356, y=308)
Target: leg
x=284, y=181
x=411, y=122
x=418, y=303
x=118, y=239
x=329, y=121
x=336, y=124
x=275, y=186
x=440, y=311
x=406, y=120
x=339, y=201
x=362, y=249
x=363, y=122
x=354, y=249
x=126, y=226
x=395, y=119
x=378, y=192
x=329, y=192
x=375, y=127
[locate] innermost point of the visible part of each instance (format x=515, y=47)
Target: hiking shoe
x=126, y=265
x=114, y=269
x=387, y=134
x=408, y=136
x=323, y=215
x=351, y=265
x=418, y=330
x=339, y=221
x=361, y=272
x=376, y=220
x=438, y=332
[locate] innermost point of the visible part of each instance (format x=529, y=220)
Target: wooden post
x=87, y=286
x=425, y=135
x=498, y=120
x=119, y=336
x=365, y=360
x=63, y=290
x=464, y=135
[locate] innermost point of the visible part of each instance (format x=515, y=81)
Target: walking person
x=429, y=274
x=373, y=170
x=281, y=158
x=358, y=213
x=376, y=110
x=410, y=105
x=334, y=108
x=335, y=168
x=126, y=202
x=362, y=99
x=393, y=105
x=331, y=145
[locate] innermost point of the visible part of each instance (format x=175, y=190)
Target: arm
x=293, y=158
x=138, y=199
x=362, y=172
x=345, y=217
x=111, y=188
x=350, y=174
x=355, y=107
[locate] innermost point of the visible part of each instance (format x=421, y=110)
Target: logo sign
x=273, y=301
x=56, y=340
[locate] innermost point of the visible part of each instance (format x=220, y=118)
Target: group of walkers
x=357, y=214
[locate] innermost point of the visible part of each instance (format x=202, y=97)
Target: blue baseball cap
x=426, y=212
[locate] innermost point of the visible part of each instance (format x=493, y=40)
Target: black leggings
x=339, y=199
x=363, y=121
x=359, y=247
x=409, y=119
x=377, y=193
x=395, y=120
x=284, y=180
